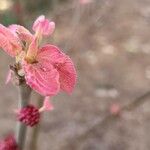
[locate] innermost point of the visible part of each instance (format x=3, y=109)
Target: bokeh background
x=109, y=42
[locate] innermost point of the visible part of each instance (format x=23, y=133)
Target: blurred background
x=109, y=42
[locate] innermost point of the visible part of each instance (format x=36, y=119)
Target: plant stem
x=34, y=137
x=24, y=96
x=35, y=131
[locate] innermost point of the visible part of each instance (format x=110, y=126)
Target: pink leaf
x=47, y=105
x=43, y=26
x=9, y=42
x=115, y=109
x=67, y=75
x=50, y=54
x=44, y=80
x=85, y=1
x=22, y=32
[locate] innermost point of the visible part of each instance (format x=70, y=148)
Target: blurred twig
x=19, y=12
x=137, y=102
x=75, y=22
x=100, y=126
x=107, y=6
x=54, y=4
x=79, y=11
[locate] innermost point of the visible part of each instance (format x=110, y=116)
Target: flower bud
x=9, y=143
x=29, y=115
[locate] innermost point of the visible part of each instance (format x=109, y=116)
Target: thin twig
x=101, y=125
x=137, y=102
